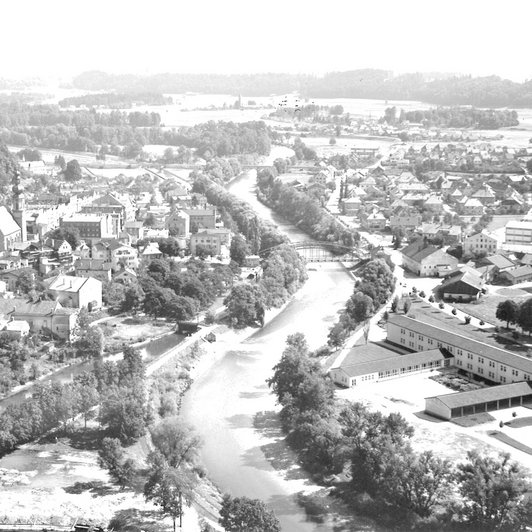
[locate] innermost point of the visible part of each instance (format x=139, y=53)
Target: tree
x=508, y=311
x=406, y=305
x=529, y=165
x=243, y=303
x=72, y=171
x=395, y=304
x=493, y=490
x=90, y=343
x=241, y=514
x=111, y=457
x=25, y=282
x=60, y=161
x=123, y=410
x=525, y=315
x=167, y=487
x=176, y=441
x=88, y=395
x=337, y=335
x=239, y=249
x=70, y=235
x=359, y=307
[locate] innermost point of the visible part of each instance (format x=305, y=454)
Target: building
x=463, y=286
x=426, y=260
x=460, y=404
x=91, y=227
x=178, y=223
x=472, y=207
x=75, y=292
x=518, y=232
x=215, y=239
x=517, y=275
x=405, y=218
x=95, y=268
x=375, y=221
x=202, y=218
x=45, y=317
x=119, y=210
x=135, y=230
x=475, y=357
x=482, y=243
x=357, y=368
x=10, y=231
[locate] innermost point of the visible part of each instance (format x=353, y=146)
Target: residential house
x=150, y=251
x=202, y=218
x=135, y=230
x=517, y=275
x=178, y=223
x=375, y=221
x=518, y=233
x=212, y=238
x=484, y=242
x=463, y=286
x=95, y=268
x=427, y=260
x=91, y=227
x=472, y=207
x=75, y=292
x=405, y=218
x=125, y=276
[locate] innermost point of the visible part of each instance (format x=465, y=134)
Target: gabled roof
x=65, y=283
x=500, y=261
x=473, y=280
x=482, y=395
x=520, y=271
x=8, y=226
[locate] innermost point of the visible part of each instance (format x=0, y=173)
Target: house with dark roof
x=464, y=286
x=521, y=274
x=427, y=260
x=95, y=268
x=460, y=404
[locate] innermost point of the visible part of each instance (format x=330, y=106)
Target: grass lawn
x=510, y=441
x=486, y=307
x=520, y=422
x=473, y=420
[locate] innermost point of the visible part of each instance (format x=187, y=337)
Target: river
x=231, y=406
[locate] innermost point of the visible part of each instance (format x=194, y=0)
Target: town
x=280, y=292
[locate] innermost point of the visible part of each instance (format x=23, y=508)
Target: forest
x=122, y=100
x=442, y=89
x=455, y=117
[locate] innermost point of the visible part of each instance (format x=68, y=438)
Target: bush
x=481, y=322
x=441, y=305
x=453, y=312
x=209, y=317
x=431, y=299
x=422, y=294
x=467, y=319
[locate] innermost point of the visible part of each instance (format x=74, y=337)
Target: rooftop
x=482, y=395
x=452, y=330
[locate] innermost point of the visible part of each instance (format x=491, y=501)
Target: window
x=429, y=341
x=503, y=368
x=402, y=331
x=481, y=360
x=469, y=366
x=503, y=379
x=480, y=371
x=419, y=337
x=515, y=373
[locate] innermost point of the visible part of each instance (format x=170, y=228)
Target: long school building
x=471, y=355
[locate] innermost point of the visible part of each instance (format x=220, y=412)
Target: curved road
x=231, y=406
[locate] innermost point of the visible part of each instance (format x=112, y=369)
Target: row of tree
x=489, y=91
x=114, y=100
x=302, y=210
x=373, y=288
x=399, y=487
x=454, y=117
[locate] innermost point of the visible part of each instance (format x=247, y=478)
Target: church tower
x=19, y=205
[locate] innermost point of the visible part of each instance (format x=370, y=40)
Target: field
x=486, y=307
x=406, y=395
x=119, y=331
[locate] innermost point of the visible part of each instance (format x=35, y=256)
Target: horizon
x=60, y=41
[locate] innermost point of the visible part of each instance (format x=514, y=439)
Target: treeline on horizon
x=488, y=91
x=115, y=100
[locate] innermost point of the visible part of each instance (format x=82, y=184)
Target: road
x=231, y=406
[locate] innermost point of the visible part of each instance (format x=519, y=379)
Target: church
x=13, y=223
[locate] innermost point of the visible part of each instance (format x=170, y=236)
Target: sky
x=61, y=38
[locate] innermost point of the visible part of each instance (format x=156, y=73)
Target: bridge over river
x=323, y=251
